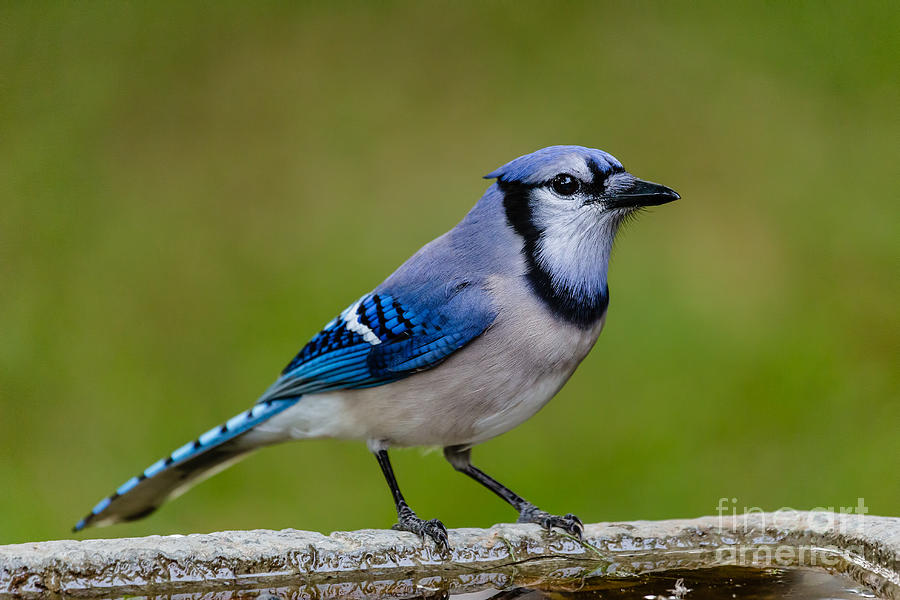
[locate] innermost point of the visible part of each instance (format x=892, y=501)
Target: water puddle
x=715, y=583
x=703, y=584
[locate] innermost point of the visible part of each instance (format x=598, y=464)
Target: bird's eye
x=564, y=184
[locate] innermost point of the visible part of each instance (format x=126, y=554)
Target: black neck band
x=579, y=309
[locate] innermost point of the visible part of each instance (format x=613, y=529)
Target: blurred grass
x=189, y=191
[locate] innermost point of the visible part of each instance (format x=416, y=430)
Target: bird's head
x=567, y=203
x=561, y=182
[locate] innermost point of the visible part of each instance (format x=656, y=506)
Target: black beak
x=640, y=193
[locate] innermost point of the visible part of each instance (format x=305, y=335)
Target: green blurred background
x=190, y=191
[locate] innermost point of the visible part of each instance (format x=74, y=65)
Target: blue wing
x=381, y=338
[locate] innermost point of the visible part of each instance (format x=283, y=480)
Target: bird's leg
x=460, y=458
x=407, y=520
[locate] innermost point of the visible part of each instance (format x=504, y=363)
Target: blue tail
x=213, y=451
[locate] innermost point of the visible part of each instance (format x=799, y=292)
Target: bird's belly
x=446, y=409
x=517, y=409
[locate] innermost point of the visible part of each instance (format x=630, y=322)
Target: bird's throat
x=566, y=268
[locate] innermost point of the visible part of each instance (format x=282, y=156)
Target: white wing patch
x=352, y=321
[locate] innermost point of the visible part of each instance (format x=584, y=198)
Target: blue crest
x=543, y=164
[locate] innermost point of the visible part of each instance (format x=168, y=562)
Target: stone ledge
x=866, y=548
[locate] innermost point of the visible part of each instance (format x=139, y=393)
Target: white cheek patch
x=548, y=208
x=575, y=242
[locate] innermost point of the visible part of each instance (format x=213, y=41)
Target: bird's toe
x=437, y=532
x=568, y=523
x=572, y=525
x=432, y=529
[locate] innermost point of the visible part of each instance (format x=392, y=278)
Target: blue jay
x=466, y=340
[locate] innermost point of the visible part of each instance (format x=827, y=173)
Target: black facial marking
x=579, y=309
x=597, y=186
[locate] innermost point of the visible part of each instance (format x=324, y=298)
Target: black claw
x=569, y=523
x=433, y=529
x=437, y=532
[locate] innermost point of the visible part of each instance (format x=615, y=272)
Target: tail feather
x=212, y=452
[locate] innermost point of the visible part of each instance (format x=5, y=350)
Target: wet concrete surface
x=865, y=549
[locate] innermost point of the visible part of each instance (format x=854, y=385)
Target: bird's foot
x=569, y=523
x=432, y=528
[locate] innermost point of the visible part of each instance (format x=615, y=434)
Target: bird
x=466, y=340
